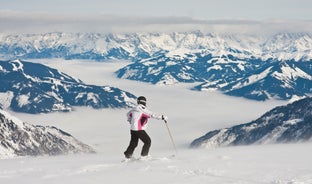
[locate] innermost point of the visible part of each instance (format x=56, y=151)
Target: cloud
x=13, y=22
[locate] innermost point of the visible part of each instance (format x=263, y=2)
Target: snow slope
x=190, y=113
x=239, y=165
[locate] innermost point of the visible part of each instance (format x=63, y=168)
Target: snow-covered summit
x=281, y=46
x=22, y=139
x=237, y=64
x=270, y=80
x=35, y=88
x=250, y=78
x=284, y=124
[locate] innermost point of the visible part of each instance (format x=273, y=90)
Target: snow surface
x=191, y=114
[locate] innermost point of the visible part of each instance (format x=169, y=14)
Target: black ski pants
x=135, y=136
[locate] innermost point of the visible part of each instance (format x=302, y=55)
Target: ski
x=148, y=159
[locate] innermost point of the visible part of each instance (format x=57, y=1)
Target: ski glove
x=163, y=117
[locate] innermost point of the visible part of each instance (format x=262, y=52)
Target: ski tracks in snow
x=183, y=169
x=94, y=168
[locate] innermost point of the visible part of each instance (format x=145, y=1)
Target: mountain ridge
x=35, y=88
x=226, y=62
x=23, y=139
x=284, y=124
x=144, y=45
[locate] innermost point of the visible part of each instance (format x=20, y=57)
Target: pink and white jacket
x=138, y=116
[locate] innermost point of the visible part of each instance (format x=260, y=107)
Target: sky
x=115, y=15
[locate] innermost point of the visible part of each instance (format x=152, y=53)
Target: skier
x=137, y=117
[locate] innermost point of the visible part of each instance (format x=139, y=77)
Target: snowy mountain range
x=284, y=124
x=35, y=88
x=22, y=139
x=249, y=78
x=137, y=46
x=257, y=67
x=269, y=80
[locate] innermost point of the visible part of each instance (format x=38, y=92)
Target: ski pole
x=171, y=137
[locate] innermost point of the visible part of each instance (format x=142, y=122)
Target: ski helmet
x=141, y=100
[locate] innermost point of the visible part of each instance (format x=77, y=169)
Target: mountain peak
x=284, y=124
x=281, y=46
x=23, y=139
x=35, y=88
x=227, y=62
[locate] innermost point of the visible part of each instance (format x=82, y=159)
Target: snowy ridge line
x=243, y=65
x=35, y=88
x=23, y=139
x=285, y=124
x=138, y=46
x=251, y=78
